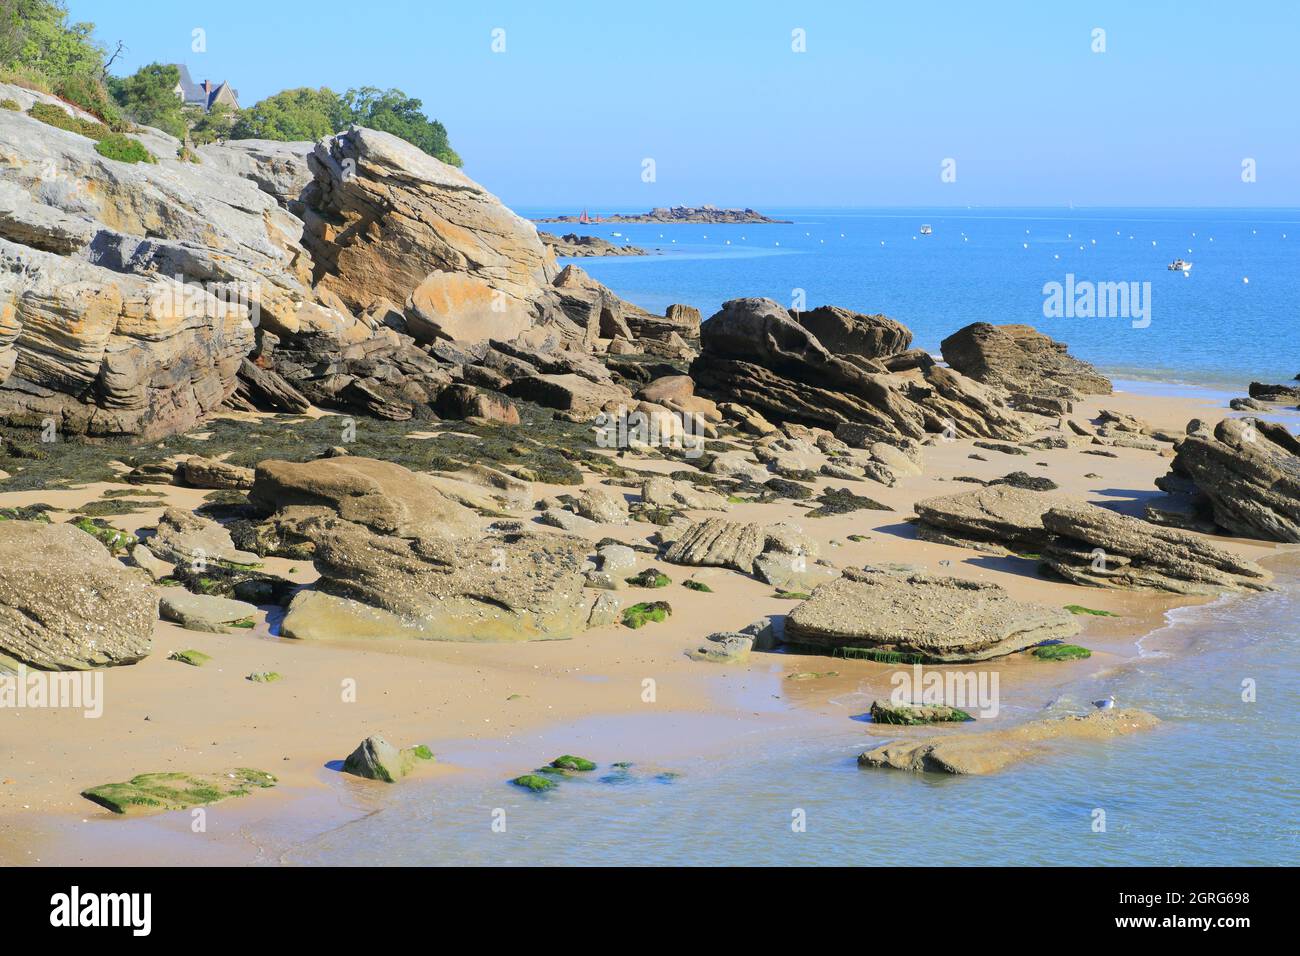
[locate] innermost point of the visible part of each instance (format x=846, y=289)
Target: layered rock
x=1020, y=358
x=1246, y=474
x=756, y=355
x=1000, y=519
x=1100, y=548
x=66, y=603
x=935, y=617
x=382, y=216
x=130, y=292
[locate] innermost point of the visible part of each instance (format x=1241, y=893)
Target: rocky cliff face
x=130, y=292
x=356, y=274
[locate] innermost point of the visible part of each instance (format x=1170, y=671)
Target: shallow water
x=1215, y=784
x=1209, y=326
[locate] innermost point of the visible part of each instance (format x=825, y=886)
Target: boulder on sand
x=989, y=751
x=376, y=759
x=398, y=558
x=937, y=618
x=203, y=612
x=66, y=604
x=1097, y=547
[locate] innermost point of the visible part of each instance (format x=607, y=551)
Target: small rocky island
x=672, y=214
x=575, y=246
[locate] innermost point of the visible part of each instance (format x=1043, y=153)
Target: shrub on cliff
x=307, y=114
x=124, y=149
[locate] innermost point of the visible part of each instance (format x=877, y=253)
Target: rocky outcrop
x=756, y=355
x=382, y=217
x=66, y=603
x=572, y=245
x=989, y=751
x=1100, y=548
x=936, y=618
x=717, y=542
x=129, y=293
x=850, y=333
x=1020, y=358
x=1246, y=475
x=668, y=214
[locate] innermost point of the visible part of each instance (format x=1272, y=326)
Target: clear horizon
x=1021, y=98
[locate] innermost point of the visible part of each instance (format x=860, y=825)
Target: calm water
x=1214, y=785
x=1209, y=326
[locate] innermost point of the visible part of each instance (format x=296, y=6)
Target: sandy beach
x=161, y=715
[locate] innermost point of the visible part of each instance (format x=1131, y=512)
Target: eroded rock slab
x=989, y=751
x=935, y=617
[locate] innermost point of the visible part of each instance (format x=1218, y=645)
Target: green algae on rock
x=534, y=782
x=1061, y=652
x=697, y=586
x=264, y=677
x=376, y=759
x=887, y=712
x=638, y=615
x=650, y=578
x=570, y=762
x=1080, y=609
x=191, y=657
x=157, y=792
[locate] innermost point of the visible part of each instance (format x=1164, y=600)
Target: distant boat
x=926, y=230
x=1180, y=265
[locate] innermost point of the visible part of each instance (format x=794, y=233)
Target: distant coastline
x=573, y=245
x=682, y=214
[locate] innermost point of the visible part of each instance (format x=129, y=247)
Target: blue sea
x=1232, y=318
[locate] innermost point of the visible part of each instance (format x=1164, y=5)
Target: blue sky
x=714, y=94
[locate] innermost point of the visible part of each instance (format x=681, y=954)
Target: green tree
x=209, y=127
x=39, y=48
x=297, y=114
x=394, y=112
x=310, y=114
x=149, y=97
x=36, y=34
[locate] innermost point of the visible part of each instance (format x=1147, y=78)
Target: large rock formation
x=1246, y=475
x=398, y=558
x=1093, y=546
x=1022, y=359
x=756, y=355
x=66, y=603
x=383, y=217
x=96, y=332
x=936, y=617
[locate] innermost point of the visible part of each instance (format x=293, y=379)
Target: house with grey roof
x=204, y=95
